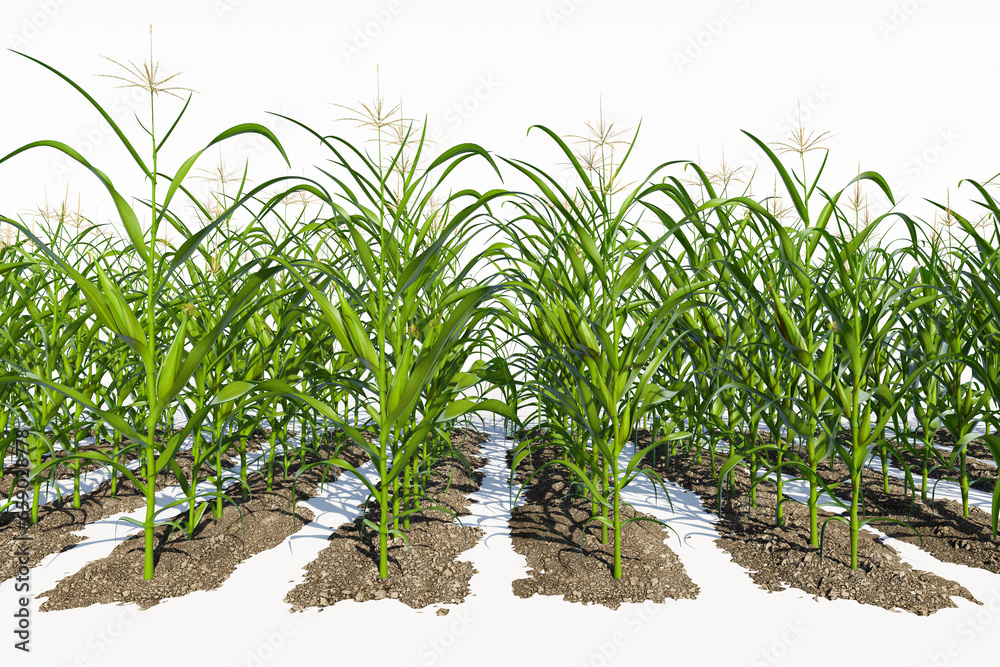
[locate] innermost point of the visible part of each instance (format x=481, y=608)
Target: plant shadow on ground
x=422, y=573
x=201, y=563
x=781, y=557
x=943, y=530
x=547, y=531
x=59, y=523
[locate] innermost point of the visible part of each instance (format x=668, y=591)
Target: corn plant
x=861, y=308
x=133, y=319
x=581, y=321
x=983, y=310
x=924, y=342
x=381, y=242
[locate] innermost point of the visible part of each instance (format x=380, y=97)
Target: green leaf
x=172, y=362
x=462, y=406
x=232, y=391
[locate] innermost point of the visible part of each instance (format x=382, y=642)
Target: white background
x=903, y=86
x=906, y=87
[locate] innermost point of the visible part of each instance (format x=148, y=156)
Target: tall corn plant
x=37, y=337
x=788, y=314
x=718, y=349
x=982, y=267
x=53, y=339
x=371, y=319
x=166, y=366
x=857, y=310
x=596, y=361
x=924, y=342
x=964, y=402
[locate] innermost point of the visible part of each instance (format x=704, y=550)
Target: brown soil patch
x=58, y=520
x=780, y=557
x=201, y=563
x=423, y=574
x=60, y=470
x=548, y=528
x=984, y=474
x=946, y=533
x=943, y=438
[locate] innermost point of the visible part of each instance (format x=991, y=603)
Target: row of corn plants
x=355, y=309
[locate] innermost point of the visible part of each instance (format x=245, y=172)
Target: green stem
x=855, y=528
x=618, y=537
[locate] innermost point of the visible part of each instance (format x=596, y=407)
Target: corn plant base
x=943, y=438
x=59, y=471
x=547, y=531
x=780, y=557
x=946, y=534
x=58, y=521
x=202, y=563
x=427, y=572
x=525, y=435
x=57, y=500
x=984, y=472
